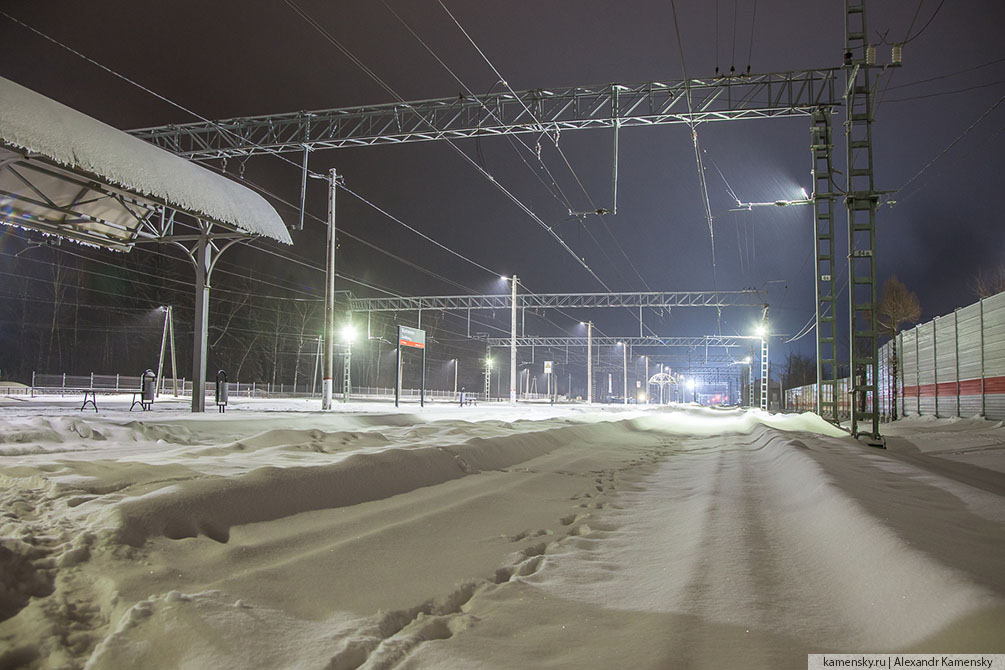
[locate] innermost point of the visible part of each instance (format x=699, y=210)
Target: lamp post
x=589, y=361
x=647, y=378
x=512, y=342
x=329, y=371
x=624, y=369
x=456, y=364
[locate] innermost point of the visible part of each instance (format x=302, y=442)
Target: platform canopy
x=65, y=173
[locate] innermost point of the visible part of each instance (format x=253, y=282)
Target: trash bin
x=148, y=387
x=221, y=391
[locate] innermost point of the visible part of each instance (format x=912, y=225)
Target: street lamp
x=456, y=365
x=512, y=342
x=624, y=368
x=589, y=360
x=747, y=206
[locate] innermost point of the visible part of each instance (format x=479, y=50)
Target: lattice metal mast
x=771, y=95
x=825, y=280
x=862, y=199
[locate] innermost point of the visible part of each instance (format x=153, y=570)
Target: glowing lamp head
x=761, y=330
x=348, y=333
x=747, y=360
x=690, y=384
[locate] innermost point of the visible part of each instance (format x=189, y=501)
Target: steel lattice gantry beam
x=603, y=341
x=561, y=301
x=777, y=94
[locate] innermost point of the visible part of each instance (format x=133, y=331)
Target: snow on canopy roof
x=40, y=125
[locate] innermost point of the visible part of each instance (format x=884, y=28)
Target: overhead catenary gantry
x=748, y=298
x=813, y=93
x=754, y=96
x=691, y=342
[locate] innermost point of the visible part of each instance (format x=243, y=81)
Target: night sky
x=223, y=59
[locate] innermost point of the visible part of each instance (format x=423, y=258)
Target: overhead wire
x=697, y=154
x=383, y=84
x=531, y=113
x=951, y=92
x=952, y=144
x=907, y=39
x=331, y=38
x=949, y=75
x=750, y=46
x=561, y=152
x=732, y=57
x=557, y=192
x=911, y=38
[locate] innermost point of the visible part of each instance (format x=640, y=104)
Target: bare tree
x=306, y=312
x=897, y=305
x=990, y=282
x=799, y=370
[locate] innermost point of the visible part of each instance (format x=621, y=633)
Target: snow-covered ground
x=275, y=536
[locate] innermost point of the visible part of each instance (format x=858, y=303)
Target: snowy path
x=535, y=538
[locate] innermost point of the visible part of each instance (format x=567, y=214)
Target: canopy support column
x=202, y=260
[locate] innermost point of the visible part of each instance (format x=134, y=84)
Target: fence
x=64, y=384
x=953, y=365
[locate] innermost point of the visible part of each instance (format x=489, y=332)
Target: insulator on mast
x=897, y=54
x=870, y=54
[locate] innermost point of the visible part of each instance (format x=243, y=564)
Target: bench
x=91, y=398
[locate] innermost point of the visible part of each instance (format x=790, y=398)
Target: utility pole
x=624, y=367
x=589, y=362
x=647, y=379
x=456, y=365
x=329, y=373
x=512, y=346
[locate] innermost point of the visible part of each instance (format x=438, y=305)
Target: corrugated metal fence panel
x=883, y=381
x=801, y=398
x=956, y=378
x=909, y=371
x=968, y=328
x=844, y=399
x=945, y=349
x=926, y=368
x=994, y=356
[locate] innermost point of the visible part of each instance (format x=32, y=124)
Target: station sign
x=411, y=337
